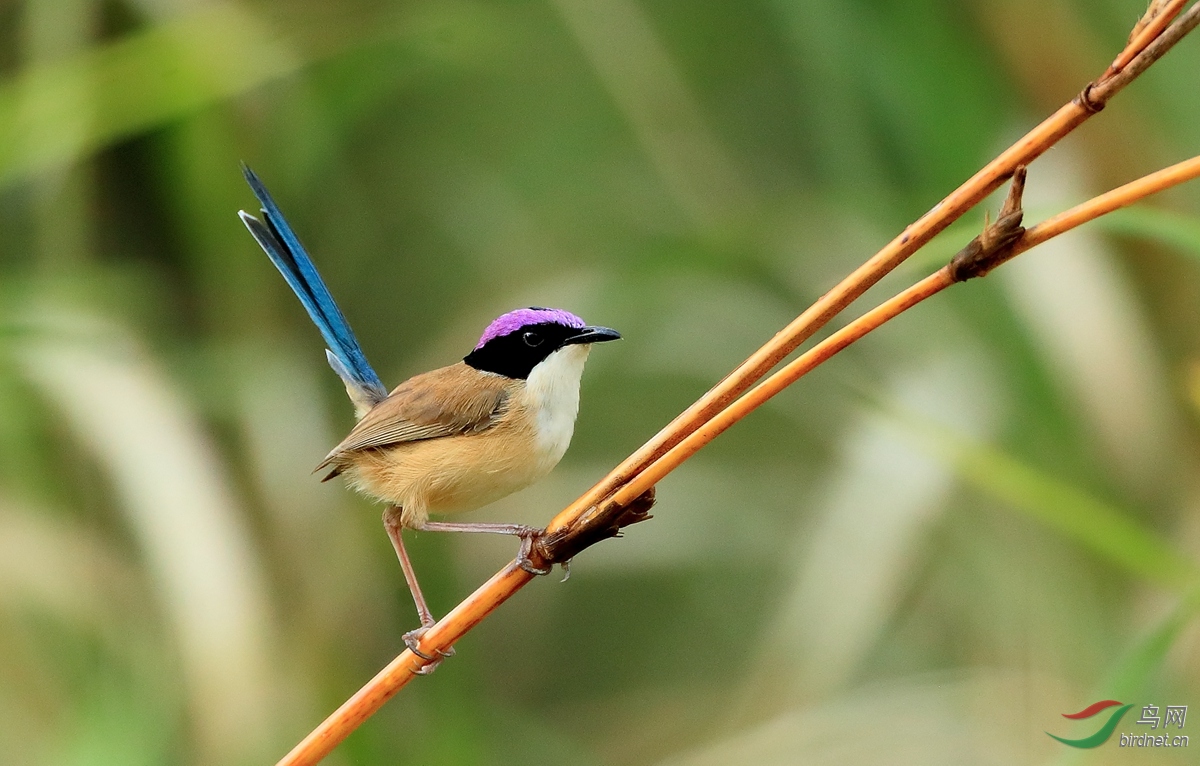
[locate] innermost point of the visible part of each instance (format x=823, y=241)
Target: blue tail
x=283, y=248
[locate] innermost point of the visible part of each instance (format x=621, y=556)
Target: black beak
x=592, y=335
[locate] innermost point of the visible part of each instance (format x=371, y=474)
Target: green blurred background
x=982, y=517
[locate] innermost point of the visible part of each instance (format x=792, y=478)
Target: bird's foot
x=412, y=639
x=529, y=536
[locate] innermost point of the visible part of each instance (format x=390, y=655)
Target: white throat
x=552, y=395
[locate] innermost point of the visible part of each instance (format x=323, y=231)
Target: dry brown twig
x=625, y=495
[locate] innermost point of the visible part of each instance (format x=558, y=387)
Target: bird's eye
x=532, y=339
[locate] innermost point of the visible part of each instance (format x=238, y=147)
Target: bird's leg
x=527, y=535
x=412, y=639
x=391, y=522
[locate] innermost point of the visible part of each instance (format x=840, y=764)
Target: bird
x=452, y=439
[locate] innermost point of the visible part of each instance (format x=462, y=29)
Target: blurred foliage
x=983, y=516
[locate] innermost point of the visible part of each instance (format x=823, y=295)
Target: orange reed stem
x=1122, y=196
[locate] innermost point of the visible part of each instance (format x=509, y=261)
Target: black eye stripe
x=516, y=354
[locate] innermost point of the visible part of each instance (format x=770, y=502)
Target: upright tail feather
x=284, y=249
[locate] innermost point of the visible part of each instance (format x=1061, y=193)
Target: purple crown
x=515, y=320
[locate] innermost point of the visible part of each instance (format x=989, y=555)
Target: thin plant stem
x=1122, y=196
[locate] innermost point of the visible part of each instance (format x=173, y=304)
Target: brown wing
x=445, y=402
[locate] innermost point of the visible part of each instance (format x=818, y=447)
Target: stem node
x=990, y=248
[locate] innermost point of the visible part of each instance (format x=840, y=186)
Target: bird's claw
x=412, y=639
x=529, y=536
